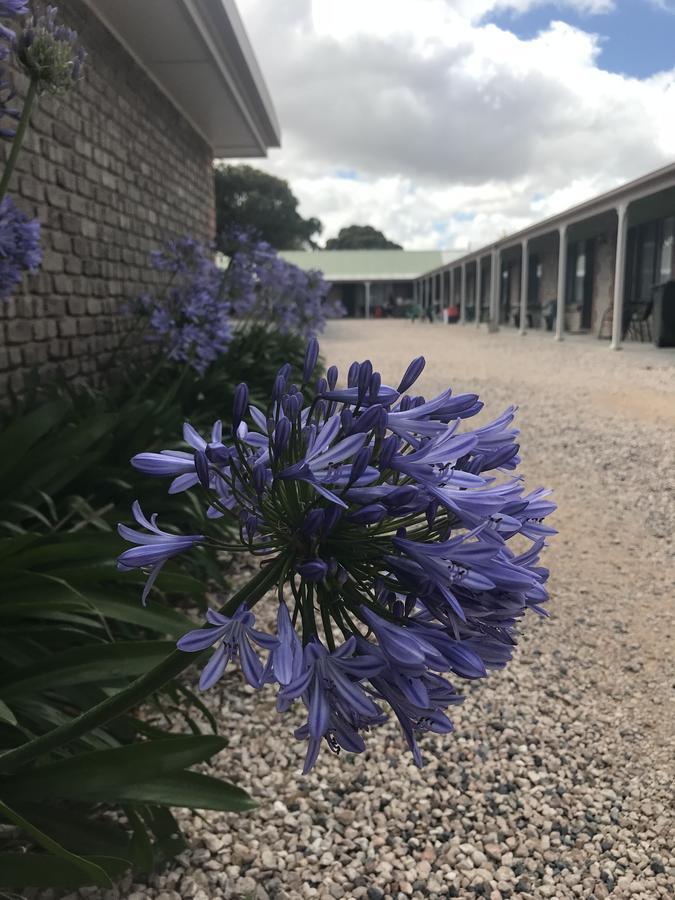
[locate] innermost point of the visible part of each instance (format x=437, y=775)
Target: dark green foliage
x=73, y=631
x=361, y=237
x=249, y=198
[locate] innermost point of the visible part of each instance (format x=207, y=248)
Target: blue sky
x=638, y=36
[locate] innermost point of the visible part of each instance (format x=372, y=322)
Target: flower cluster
x=19, y=246
x=190, y=318
x=48, y=53
x=262, y=285
x=386, y=527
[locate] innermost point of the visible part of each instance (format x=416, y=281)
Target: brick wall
x=112, y=170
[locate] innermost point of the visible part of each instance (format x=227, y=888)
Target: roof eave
x=222, y=30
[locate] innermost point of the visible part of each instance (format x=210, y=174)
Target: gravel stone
x=558, y=779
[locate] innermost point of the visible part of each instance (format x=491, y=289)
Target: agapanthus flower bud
x=292, y=405
x=202, y=467
x=239, y=404
x=332, y=376
x=360, y=464
x=282, y=433
x=48, y=54
x=363, y=382
x=368, y=515
x=385, y=523
x=412, y=373
x=389, y=448
x=311, y=357
x=347, y=420
x=279, y=388
x=314, y=570
x=374, y=387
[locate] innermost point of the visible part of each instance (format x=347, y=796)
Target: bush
x=84, y=807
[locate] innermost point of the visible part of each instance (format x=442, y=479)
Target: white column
x=562, y=283
x=495, y=285
x=367, y=286
x=619, y=276
x=524, y=283
x=462, y=293
x=479, y=278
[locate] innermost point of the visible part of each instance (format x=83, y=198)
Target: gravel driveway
x=558, y=780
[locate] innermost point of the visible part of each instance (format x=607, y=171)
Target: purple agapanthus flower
x=233, y=636
x=263, y=286
x=154, y=547
x=388, y=521
x=189, y=317
x=19, y=246
x=10, y=9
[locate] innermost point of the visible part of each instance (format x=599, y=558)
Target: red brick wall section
x=112, y=170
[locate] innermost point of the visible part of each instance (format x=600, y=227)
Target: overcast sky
x=446, y=123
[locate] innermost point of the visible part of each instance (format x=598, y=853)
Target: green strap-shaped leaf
x=191, y=789
x=141, y=845
x=93, y=873
x=40, y=870
x=108, y=773
x=6, y=714
x=101, y=664
x=27, y=430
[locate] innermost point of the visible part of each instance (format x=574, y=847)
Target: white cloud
x=456, y=130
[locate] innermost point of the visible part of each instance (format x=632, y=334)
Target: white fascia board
x=223, y=33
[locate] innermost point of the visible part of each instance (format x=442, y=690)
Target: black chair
x=636, y=322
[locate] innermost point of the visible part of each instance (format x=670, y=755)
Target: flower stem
x=18, y=138
x=175, y=663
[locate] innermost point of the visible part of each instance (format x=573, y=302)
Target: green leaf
x=6, y=714
x=39, y=870
x=141, y=845
x=77, y=830
x=191, y=789
x=100, y=664
x=105, y=775
x=27, y=430
x=169, y=841
x=92, y=872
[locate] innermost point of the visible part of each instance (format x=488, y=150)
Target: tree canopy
x=361, y=237
x=250, y=198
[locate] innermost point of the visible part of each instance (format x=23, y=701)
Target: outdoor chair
x=636, y=320
x=636, y=323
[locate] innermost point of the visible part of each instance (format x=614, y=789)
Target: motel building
x=604, y=267
x=373, y=283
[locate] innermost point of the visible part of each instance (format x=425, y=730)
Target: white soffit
x=198, y=53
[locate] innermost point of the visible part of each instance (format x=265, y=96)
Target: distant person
x=413, y=312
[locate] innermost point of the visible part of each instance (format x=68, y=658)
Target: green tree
x=251, y=198
x=361, y=237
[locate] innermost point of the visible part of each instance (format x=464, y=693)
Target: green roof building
x=374, y=282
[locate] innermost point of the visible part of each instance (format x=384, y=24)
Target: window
x=579, y=275
x=666, y=255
